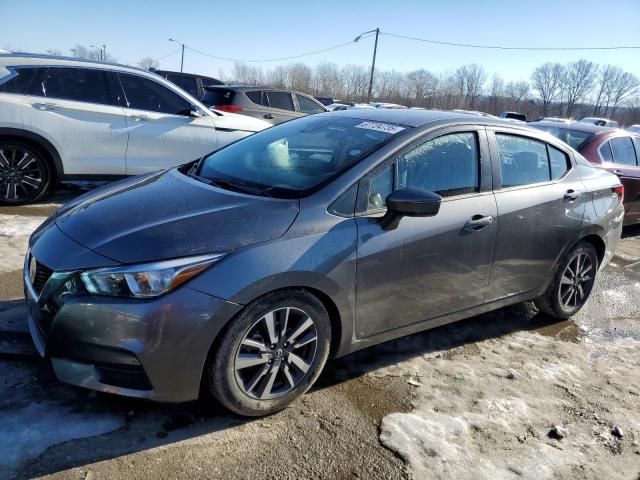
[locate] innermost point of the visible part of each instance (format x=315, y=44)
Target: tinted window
x=83, y=85
x=217, y=96
x=188, y=84
x=21, y=83
x=144, y=94
x=380, y=188
x=559, y=163
x=575, y=138
x=307, y=105
x=447, y=165
x=605, y=152
x=281, y=100
x=258, y=97
x=636, y=141
x=295, y=158
x=523, y=161
x=623, y=151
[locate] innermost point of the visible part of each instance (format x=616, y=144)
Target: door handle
x=478, y=222
x=139, y=118
x=268, y=116
x=571, y=195
x=46, y=106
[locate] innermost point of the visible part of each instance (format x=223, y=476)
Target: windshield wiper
x=238, y=187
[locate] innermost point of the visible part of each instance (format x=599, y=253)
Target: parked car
x=69, y=119
x=553, y=119
x=514, y=116
x=634, y=128
x=270, y=104
x=392, y=106
x=334, y=107
x=617, y=151
x=191, y=83
x=325, y=100
x=240, y=274
x=600, y=122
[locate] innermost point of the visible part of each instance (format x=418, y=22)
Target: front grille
x=41, y=277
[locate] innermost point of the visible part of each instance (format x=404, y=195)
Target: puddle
x=566, y=331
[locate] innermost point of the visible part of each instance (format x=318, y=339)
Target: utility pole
x=182, y=57
x=104, y=52
x=373, y=63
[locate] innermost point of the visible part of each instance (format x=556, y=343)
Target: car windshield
x=296, y=158
x=574, y=138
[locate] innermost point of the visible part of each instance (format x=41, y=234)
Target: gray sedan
x=240, y=274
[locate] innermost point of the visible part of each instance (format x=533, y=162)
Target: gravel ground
x=476, y=399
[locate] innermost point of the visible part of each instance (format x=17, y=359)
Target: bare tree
x=468, y=80
x=517, y=92
x=547, y=80
x=614, y=87
x=326, y=80
x=149, y=62
x=577, y=82
x=420, y=85
x=299, y=77
x=247, y=74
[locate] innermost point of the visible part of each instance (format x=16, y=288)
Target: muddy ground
x=476, y=399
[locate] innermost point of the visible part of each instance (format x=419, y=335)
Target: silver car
x=240, y=274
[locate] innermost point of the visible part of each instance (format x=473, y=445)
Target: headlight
x=146, y=280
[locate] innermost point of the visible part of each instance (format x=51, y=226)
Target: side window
x=636, y=142
x=380, y=188
x=308, y=106
x=623, y=152
x=144, y=94
x=281, y=100
x=605, y=152
x=188, y=84
x=523, y=161
x=447, y=165
x=559, y=163
x=20, y=83
x=258, y=97
x=80, y=84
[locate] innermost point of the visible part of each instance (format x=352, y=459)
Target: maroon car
x=615, y=150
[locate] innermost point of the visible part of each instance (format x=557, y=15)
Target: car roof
x=39, y=59
x=578, y=126
x=416, y=118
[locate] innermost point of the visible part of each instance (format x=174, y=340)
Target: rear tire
x=25, y=174
x=572, y=283
x=270, y=354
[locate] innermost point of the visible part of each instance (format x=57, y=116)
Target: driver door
x=428, y=266
x=161, y=131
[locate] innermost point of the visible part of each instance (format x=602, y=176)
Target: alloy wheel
x=276, y=353
x=576, y=281
x=21, y=174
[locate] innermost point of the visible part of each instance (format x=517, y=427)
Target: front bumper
x=151, y=348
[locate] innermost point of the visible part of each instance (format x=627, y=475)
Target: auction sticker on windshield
x=380, y=127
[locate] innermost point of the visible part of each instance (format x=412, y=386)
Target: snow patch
x=27, y=432
x=14, y=239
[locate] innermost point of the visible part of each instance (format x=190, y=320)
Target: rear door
x=161, y=131
x=622, y=157
x=428, y=266
x=78, y=110
x=186, y=82
x=540, y=202
x=281, y=107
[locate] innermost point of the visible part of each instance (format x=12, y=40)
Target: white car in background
x=70, y=119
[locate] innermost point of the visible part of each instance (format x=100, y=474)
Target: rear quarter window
x=218, y=96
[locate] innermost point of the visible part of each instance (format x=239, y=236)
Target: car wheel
x=270, y=354
x=572, y=283
x=24, y=174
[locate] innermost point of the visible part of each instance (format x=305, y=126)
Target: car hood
x=168, y=214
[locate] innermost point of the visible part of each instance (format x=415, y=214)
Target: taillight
x=228, y=108
x=619, y=190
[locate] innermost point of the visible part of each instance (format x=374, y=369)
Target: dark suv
x=191, y=83
x=273, y=105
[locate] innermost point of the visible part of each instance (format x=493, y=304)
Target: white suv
x=69, y=119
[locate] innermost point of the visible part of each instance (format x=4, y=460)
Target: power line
x=273, y=59
x=500, y=47
x=168, y=54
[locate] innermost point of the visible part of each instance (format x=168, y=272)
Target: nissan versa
x=238, y=275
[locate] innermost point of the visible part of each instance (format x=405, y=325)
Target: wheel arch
x=37, y=141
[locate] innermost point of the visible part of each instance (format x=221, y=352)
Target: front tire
x=572, y=283
x=272, y=353
x=25, y=175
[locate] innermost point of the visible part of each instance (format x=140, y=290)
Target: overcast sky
x=268, y=29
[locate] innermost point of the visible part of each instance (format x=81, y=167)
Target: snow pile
x=14, y=239
x=27, y=432
x=488, y=416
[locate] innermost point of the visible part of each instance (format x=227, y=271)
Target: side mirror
x=409, y=202
x=195, y=112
